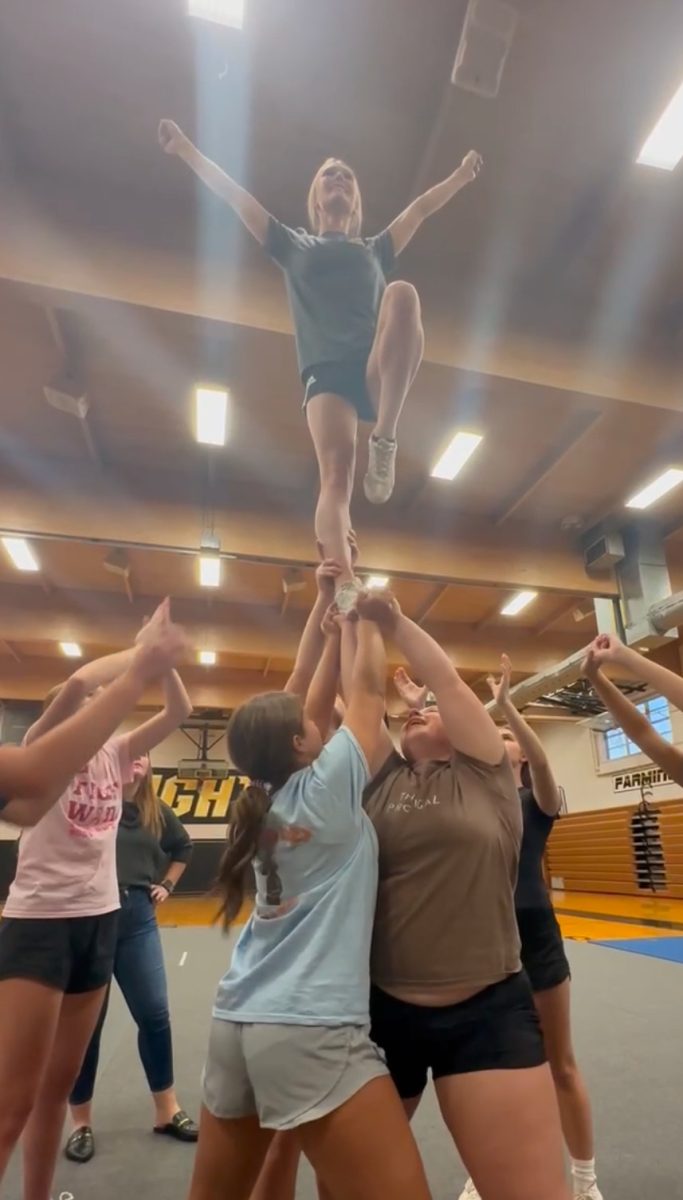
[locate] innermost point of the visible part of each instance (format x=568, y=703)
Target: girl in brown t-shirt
x=449, y=996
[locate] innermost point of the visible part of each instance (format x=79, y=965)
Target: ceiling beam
x=96, y=509
x=430, y=603
x=480, y=680
x=8, y=648
x=488, y=617
x=563, y=610
x=581, y=424
x=208, y=688
x=70, y=377
x=102, y=622
x=74, y=264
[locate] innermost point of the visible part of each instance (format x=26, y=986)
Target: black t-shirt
x=335, y=285
x=141, y=858
x=531, y=889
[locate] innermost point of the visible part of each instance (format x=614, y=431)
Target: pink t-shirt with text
x=67, y=862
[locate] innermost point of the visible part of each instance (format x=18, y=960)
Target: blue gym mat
x=669, y=948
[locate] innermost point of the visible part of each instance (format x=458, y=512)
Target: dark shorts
x=498, y=1029
x=70, y=954
x=543, y=956
x=345, y=379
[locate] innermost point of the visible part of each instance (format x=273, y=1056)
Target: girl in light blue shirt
x=289, y=1045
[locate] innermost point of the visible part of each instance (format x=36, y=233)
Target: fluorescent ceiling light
x=71, y=649
x=377, y=581
x=21, y=554
x=221, y=12
x=456, y=455
x=211, y=406
x=517, y=603
x=655, y=490
x=207, y=658
x=210, y=570
x=664, y=147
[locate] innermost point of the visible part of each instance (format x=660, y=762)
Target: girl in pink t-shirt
x=58, y=930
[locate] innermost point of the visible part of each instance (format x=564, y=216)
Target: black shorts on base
x=345, y=379
x=543, y=956
x=496, y=1030
x=70, y=954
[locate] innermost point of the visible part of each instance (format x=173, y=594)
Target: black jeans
x=140, y=973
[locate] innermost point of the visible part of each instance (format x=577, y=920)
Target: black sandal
x=80, y=1147
x=181, y=1127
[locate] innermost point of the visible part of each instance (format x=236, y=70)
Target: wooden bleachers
x=596, y=852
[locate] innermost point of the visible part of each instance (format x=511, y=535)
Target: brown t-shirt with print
x=449, y=840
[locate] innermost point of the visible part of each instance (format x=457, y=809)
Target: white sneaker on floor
x=593, y=1193
x=347, y=594
x=381, y=473
x=469, y=1192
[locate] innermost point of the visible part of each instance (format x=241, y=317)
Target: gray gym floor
x=627, y=1018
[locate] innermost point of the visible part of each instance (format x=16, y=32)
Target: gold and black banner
x=195, y=801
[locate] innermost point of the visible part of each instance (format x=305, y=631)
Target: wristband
x=167, y=885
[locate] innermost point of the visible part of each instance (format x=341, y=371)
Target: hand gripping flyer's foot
x=347, y=594
x=381, y=474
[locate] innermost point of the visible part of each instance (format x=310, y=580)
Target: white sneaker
x=347, y=594
x=470, y=1192
x=593, y=1192
x=381, y=473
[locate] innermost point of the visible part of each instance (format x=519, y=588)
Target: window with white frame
x=617, y=745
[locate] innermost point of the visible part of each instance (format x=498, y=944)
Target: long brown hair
x=149, y=805
x=261, y=745
x=356, y=218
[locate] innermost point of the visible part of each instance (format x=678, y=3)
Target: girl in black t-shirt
x=543, y=953
x=359, y=342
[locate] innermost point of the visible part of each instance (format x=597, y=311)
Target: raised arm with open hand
x=312, y=638
x=546, y=791
x=252, y=214
x=635, y=724
x=39, y=773
x=406, y=225
x=412, y=695
x=322, y=692
x=468, y=725
x=366, y=701
x=609, y=649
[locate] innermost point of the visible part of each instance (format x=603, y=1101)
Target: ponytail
x=235, y=876
x=261, y=736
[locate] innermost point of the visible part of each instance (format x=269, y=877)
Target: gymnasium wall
x=589, y=785
x=571, y=747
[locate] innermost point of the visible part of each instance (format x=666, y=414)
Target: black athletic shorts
x=346, y=379
x=498, y=1029
x=543, y=956
x=70, y=954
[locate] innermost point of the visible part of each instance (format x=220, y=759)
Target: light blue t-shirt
x=303, y=958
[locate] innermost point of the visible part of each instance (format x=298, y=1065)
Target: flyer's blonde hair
x=356, y=219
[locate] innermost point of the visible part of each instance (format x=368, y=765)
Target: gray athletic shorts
x=286, y=1074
